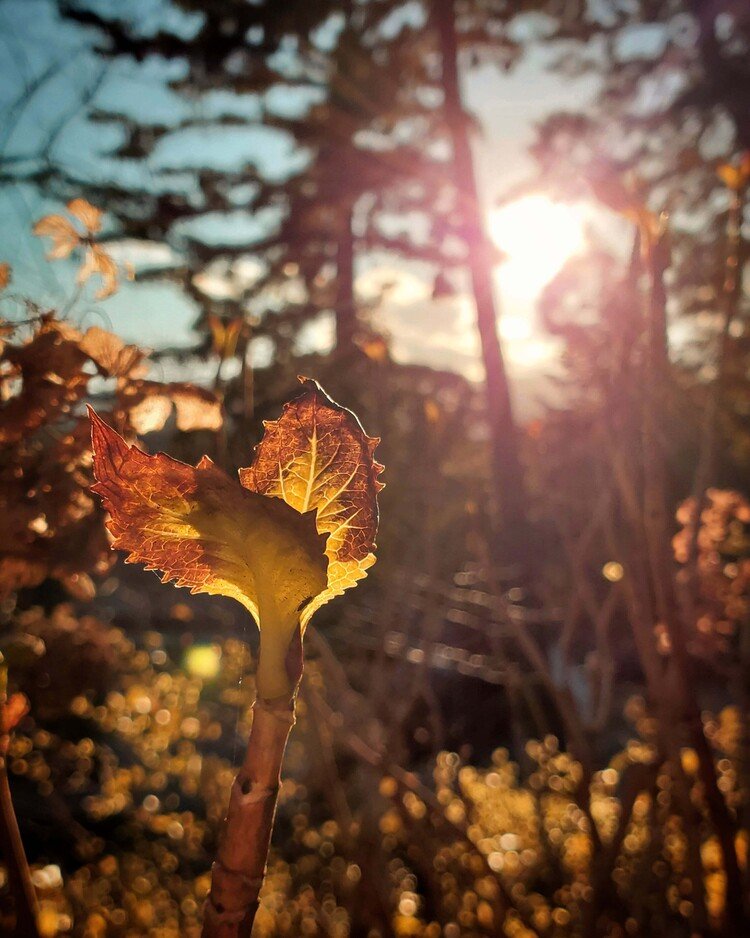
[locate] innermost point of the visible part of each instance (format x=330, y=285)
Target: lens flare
x=203, y=661
x=537, y=237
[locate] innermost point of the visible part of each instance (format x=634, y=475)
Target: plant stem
x=11, y=849
x=240, y=865
x=659, y=556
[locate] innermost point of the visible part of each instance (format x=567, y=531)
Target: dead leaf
x=49, y=369
x=110, y=354
x=97, y=261
x=65, y=237
x=5, y=275
x=150, y=405
x=88, y=214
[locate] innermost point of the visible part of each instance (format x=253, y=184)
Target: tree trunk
x=507, y=483
x=346, y=313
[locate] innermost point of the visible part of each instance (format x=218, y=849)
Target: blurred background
x=511, y=236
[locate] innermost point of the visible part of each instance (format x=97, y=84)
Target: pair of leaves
x=66, y=237
x=225, y=335
x=298, y=530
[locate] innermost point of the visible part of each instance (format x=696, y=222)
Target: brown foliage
x=49, y=524
x=722, y=564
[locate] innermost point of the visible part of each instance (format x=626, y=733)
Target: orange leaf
x=97, y=261
x=204, y=531
x=14, y=710
x=316, y=456
x=49, y=366
x=88, y=214
x=63, y=233
x=150, y=405
x=110, y=354
x=5, y=275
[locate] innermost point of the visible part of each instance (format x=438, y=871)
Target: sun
x=537, y=236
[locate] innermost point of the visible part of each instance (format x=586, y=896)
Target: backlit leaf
x=43, y=376
x=89, y=215
x=66, y=237
x=204, y=531
x=63, y=233
x=97, y=261
x=150, y=405
x=316, y=456
x=110, y=354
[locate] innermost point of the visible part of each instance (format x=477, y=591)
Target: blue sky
x=32, y=40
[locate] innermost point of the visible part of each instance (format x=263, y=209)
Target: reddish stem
x=243, y=844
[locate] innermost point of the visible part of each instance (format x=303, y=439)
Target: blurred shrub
x=475, y=850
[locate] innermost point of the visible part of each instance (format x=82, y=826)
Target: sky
x=439, y=333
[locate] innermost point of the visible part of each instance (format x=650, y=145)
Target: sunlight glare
x=203, y=661
x=537, y=236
